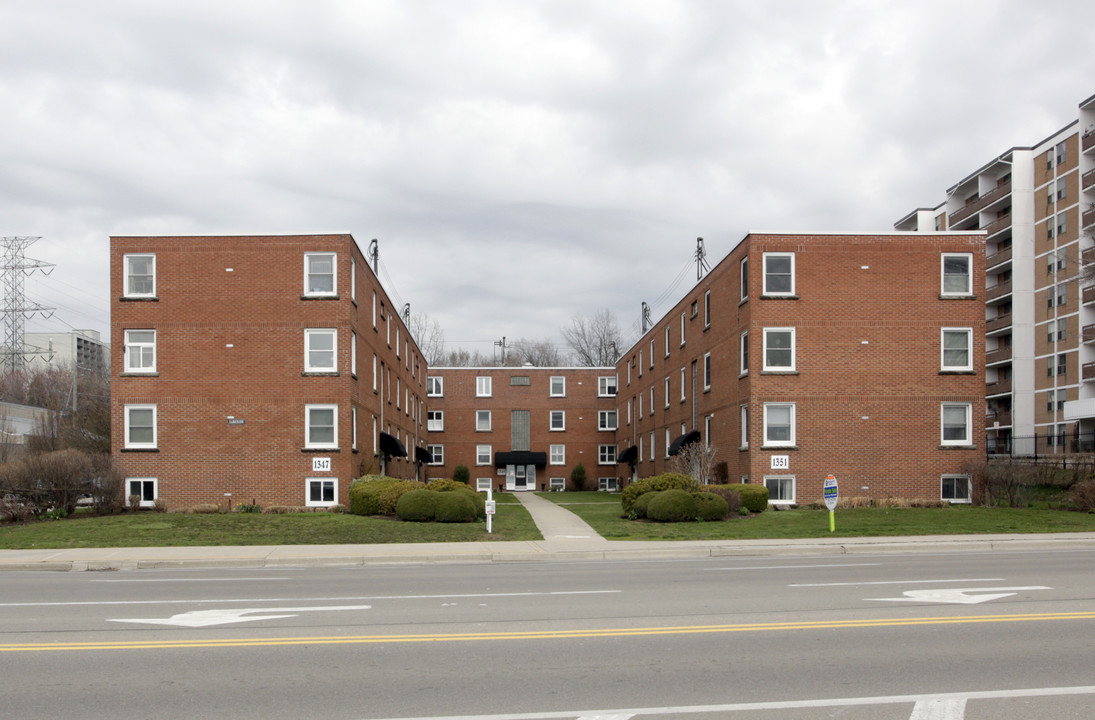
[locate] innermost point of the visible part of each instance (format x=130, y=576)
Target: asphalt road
x=930, y=637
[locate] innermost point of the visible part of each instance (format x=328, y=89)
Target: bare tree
x=696, y=459
x=594, y=340
x=430, y=337
x=462, y=357
x=541, y=353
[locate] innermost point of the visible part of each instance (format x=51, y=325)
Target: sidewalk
x=566, y=539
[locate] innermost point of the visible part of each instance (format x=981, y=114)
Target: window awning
x=391, y=447
x=684, y=440
x=423, y=456
x=629, y=456
x=520, y=457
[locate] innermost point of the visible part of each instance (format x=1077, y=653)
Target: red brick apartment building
x=268, y=368
x=802, y=356
x=523, y=428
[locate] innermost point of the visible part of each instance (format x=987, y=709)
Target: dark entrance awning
x=422, y=455
x=687, y=439
x=520, y=457
x=391, y=447
x=629, y=456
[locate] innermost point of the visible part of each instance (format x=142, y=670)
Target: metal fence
x=1036, y=446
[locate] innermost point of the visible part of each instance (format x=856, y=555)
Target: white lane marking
x=205, y=618
x=155, y=580
x=777, y=705
x=800, y=567
x=613, y=716
x=939, y=709
x=896, y=582
x=959, y=596
x=306, y=599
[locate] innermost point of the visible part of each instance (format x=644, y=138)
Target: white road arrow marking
x=959, y=596
x=205, y=618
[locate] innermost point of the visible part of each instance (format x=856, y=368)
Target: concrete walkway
x=556, y=523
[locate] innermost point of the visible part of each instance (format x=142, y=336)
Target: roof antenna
x=701, y=259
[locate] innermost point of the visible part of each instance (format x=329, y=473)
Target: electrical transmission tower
x=16, y=308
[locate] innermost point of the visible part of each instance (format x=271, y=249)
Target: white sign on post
x=831, y=493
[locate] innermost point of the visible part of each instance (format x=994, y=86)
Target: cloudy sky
x=518, y=161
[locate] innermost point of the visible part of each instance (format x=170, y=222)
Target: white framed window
x=629, y=372
x=640, y=363
x=956, y=488
x=606, y=454
x=668, y=441
x=353, y=354
x=743, y=354
x=435, y=386
x=483, y=454
x=353, y=428
x=781, y=489
x=707, y=371
x=482, y=484
x=557, y=455
x=320, y=492
x=319, y=273
x=483, y=386
x=707, y=420
x=667, y=391
x=683, y=324
x=639, y=407
x=482, y=420
x=779, y=349
x=437, y=454
x=707, y=309
x=557, y=484
x=606, y=386
x=779, y=273
x=651, y=353
x=684, y=385
x=320, y=349
x=146, y=488
x=140, y=275
x=140, y=426
x=140, y=351
x=744, y=426
x=956, y=422
x=606, y=420
x=353, y=280
x=957, y=274
x=651, y=446
x=629, y=412
x=558, y=420
x=374, y=309
x=667, y=341
x=435, y=420
x=651, y=399
x=957, y=349
x=744, y=279
x=607, y=484
x=558, y=386
x=374, y=373
x=321, y=426
x=779, y=424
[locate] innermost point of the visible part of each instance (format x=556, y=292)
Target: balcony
x=1087, y=257
x=998, y=355
x=1087, y=295
x=994, y=417
x=1001, y=322
x=1003, y=256
x=997, y=225
x=1089, y=372
x=1002, y=387
x=980, y=203
x=1089, y=333
x=1087, y=180
x=998, y=291
x=1089, y=140
x=1088, y=218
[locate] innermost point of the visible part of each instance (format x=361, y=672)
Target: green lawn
x=148, y=529
x=602, y=512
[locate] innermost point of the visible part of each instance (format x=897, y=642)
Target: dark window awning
x=520, y=457
x=687, y=439
x=628, y=456
x=391, y=447
x=423, y=456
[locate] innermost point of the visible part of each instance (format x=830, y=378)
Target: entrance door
x=520, y=477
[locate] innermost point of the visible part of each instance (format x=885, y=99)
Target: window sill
x=957, y=372
x=957, y=297
x=319, y=373
x=957, y=447
x=779, y=447
x=743, y=301
x=769, y=371
x=319, y=297
x=743, y=448
x=140, y=450
x=744, y=374
x=138, y=298
x=139, y=374
x=320, y=450
x=779, y=297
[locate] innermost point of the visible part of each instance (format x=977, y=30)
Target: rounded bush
x=417, y=506
x=365, y=493
x=455, y=507
x=727, y=493
x=754, y=497
x=673, y=505
x=710, y=506
x=638, y=508
x=665, y=481
x=445, y=485
x=388, y=498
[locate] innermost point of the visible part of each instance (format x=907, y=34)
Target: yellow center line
x=541, y=634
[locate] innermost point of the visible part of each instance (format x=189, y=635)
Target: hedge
x=665, y=481
x=417, y=506
x=455, y=507
x=754, y=497
x=710, y=506
x=674, y=505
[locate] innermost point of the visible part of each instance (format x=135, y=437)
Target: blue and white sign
x=831, y=493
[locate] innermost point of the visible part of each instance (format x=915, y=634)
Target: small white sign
x=490, y=507
x=781, y=462
x=321, y=464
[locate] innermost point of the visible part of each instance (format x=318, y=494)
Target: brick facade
x=214, y=332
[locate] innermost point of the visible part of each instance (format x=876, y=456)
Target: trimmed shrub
x=578, y=476
x=417, y=506
x=390, y=497
x=203, y=509
x=1083, y=495
x=461, y=474
x=754, y=497
x=727, y=493
x=665, y=481
x=446, y=485
x=710, y=506
x=638, y=508
x=365, y=493
x=453, y=507
x=673, y=505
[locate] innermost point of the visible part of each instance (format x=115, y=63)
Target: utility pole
x=701, y=259
x=374, y=255
x=502, y=343
x=646, y=317
x=16, y=308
